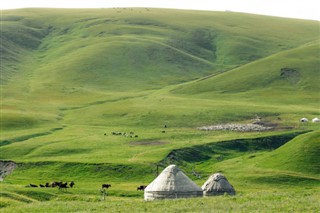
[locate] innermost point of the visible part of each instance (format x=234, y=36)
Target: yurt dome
x=315, y=120
x=304, y=120
x=217, y=184
x=170, y=184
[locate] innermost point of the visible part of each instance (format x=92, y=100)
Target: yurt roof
x=172, y=179
x=217, y=184
x=314, y=120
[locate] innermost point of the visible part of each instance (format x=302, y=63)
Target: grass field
x=71, y=77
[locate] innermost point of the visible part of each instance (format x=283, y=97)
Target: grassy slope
x=253, y=202
x=299, y=155
x=260, y=83
x=293, y=165
x=98, y=71
x=131, y=50
x=276, y=188
x=264, y=76
x=17, y=41
x=113, y=45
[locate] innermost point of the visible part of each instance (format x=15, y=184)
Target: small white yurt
x=315, y=120
x=217, y=184
x=304, y=120
x=170, y=184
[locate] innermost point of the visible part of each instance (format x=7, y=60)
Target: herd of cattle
x=60, y=185
x=131, y=134
x=63, y=186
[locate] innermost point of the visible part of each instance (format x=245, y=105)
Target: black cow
x=141, y=188
x=71, y=184
x=105, y=185
x=63, y=186
x=55, y=183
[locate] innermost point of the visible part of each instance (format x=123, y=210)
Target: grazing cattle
x=105, y=185
x=54, y=184
x=141, y=188
x=47, y=184
x=71, y=184
x=33, y=185
x=116, y=133
x=41, y=185
x=63, y=186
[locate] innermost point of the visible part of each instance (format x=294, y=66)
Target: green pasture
x=72, y=77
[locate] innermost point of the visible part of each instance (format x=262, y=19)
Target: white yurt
x=315, y=120
x=303, y=120
x=217, y=184
x=170, y=184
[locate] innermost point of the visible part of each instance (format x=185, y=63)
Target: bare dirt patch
x=290, y=74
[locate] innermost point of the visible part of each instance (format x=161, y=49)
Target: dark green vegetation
x=69, y=78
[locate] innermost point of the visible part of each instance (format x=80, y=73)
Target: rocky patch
x=6, y=167
x=289, y=74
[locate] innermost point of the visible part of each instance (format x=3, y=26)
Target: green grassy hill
x=102, y=48
x=299, y=155
x=71, y=77
x=292, y=165
x=291, y=71
x=69, y=58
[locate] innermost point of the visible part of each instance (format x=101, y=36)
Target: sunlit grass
x=72, y=77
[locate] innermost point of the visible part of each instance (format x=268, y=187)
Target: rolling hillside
x=299, y=155
x=101, y=48
x=73, y=79
x=289, y=72
x=61, y=59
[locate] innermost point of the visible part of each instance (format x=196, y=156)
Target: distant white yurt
x=315, y=120
x=170, y=184
x=217, y=184
x=303, y=120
